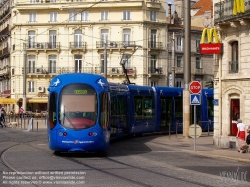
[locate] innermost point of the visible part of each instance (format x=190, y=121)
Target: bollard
x=32, y=125
x=37, y=125
x=209, y=122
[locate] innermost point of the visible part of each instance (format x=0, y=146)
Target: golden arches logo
x=210, y=33
x=239, y=7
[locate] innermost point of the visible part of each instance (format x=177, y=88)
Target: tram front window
x=77, y=106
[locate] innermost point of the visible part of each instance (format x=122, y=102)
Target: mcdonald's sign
x=210, y=48
x=239, y=7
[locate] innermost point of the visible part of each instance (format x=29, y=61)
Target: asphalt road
x=138, y=162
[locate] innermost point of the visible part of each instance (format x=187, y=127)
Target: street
x=138, y=161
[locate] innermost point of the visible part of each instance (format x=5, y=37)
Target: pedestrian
x=3, y=116
x=248, y=136
x=21, y=110
x=241, y=134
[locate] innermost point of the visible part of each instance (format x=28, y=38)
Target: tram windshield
x=78, y=106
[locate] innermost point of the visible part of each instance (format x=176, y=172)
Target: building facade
x=51, y=37
x=231, y=83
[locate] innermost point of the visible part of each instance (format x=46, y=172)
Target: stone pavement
x=204, y=147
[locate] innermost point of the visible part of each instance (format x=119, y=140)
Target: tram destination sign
x=195, y=87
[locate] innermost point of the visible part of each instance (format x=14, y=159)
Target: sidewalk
x=204, y=146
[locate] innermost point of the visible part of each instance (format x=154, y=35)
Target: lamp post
x=24, y=76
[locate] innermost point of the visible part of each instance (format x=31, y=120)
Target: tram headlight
x=90, y=134
x=64, y=133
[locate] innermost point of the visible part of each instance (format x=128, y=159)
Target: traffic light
x=210, y=84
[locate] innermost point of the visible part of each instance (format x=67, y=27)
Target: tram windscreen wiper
x=68, y=119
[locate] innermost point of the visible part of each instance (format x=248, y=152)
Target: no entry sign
x=195, y=87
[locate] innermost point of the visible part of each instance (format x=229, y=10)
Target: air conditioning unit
x=38, y=70
x=114, y=70
x=40, y=89
x=113, y=44
x=39, y=46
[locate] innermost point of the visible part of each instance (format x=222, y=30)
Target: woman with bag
x=241, y=134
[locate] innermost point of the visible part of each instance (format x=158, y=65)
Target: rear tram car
x=85, y=111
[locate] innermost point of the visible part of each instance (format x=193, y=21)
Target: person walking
x=241, y=134
x=3, y=116
x=21, y=110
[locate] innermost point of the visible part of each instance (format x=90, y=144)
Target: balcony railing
x=64, y=70
x=155, y=70
x=43, y=45
x=177, y=48
x=199, y=71
x=4, y=52
x=77, y=45
x=179, y=70
x=114, y=44
x=233, y=66
x=5, y=31
x=154, y=45
x=224, y=10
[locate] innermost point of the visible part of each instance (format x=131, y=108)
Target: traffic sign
x=195, y=99
x=194, y=131
x=195, y=87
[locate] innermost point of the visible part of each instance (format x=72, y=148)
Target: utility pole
x=24, y=76
x=173, y=63
x=187, y=68
x=105, y=58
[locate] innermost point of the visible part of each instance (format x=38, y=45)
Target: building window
x=53, y=16
x=31, y=86
x=179, y=43
x=78, y=63
x=31, y=64
x=126, y=36
x=178, y=63
x=126, y=14
x=152, y=63
x=197, y=44
x=72, y=16
x=153, y=39
x=153, y=84
x=198, y=62
x=52, y=39
x=32, y=17
x=78, y=39
x=234, y=66
x=126, y=60
x=178, y=82
x=52, y=63
x=104, y=36
x=102, y=63
x=104, y=15
x=152, y=15
x=85, y=16
x=31, y=38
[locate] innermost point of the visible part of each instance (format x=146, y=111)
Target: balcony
x=115, y=44
x=233, y=66
x=223, y=11
x=152, y=45
x=179, y=70
x=155, y=71
x=112, y=71
x=4, y=71
x=43, y=46
x=176, y=48
x=4, y=52
x=4, y=32
x=198, y=71
x=154, y=4
x=77, y=46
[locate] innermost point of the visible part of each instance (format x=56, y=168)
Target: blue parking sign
x=195, y=99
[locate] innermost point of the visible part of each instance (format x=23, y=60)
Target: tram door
x=166, y=113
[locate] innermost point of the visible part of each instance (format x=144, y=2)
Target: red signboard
x=211, y=48
x=195, y=87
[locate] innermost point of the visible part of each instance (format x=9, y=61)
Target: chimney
x=169, y=12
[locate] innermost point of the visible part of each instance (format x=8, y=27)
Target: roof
x=203, y=6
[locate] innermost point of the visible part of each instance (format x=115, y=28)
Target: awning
x=4, y=100
x=38, y=100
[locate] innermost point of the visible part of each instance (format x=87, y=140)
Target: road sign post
x=195, y=89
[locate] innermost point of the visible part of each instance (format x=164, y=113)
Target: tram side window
x=143, y=107
x=52, y=110
x=178, y=109
x=104, y=110
x=210, y=108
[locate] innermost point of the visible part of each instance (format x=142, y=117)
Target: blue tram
x=78, y=113
x=85, y=111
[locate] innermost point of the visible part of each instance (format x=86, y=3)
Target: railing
x=154, y=70
x=198, y=71
x=233, y=66
x=4, y=52
x=154, y=45
x=115, y=70
x=43, y=45
x=5, y=31
x=179, y=70
x=77, y=45
x=114, y=44
x=224, y=10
